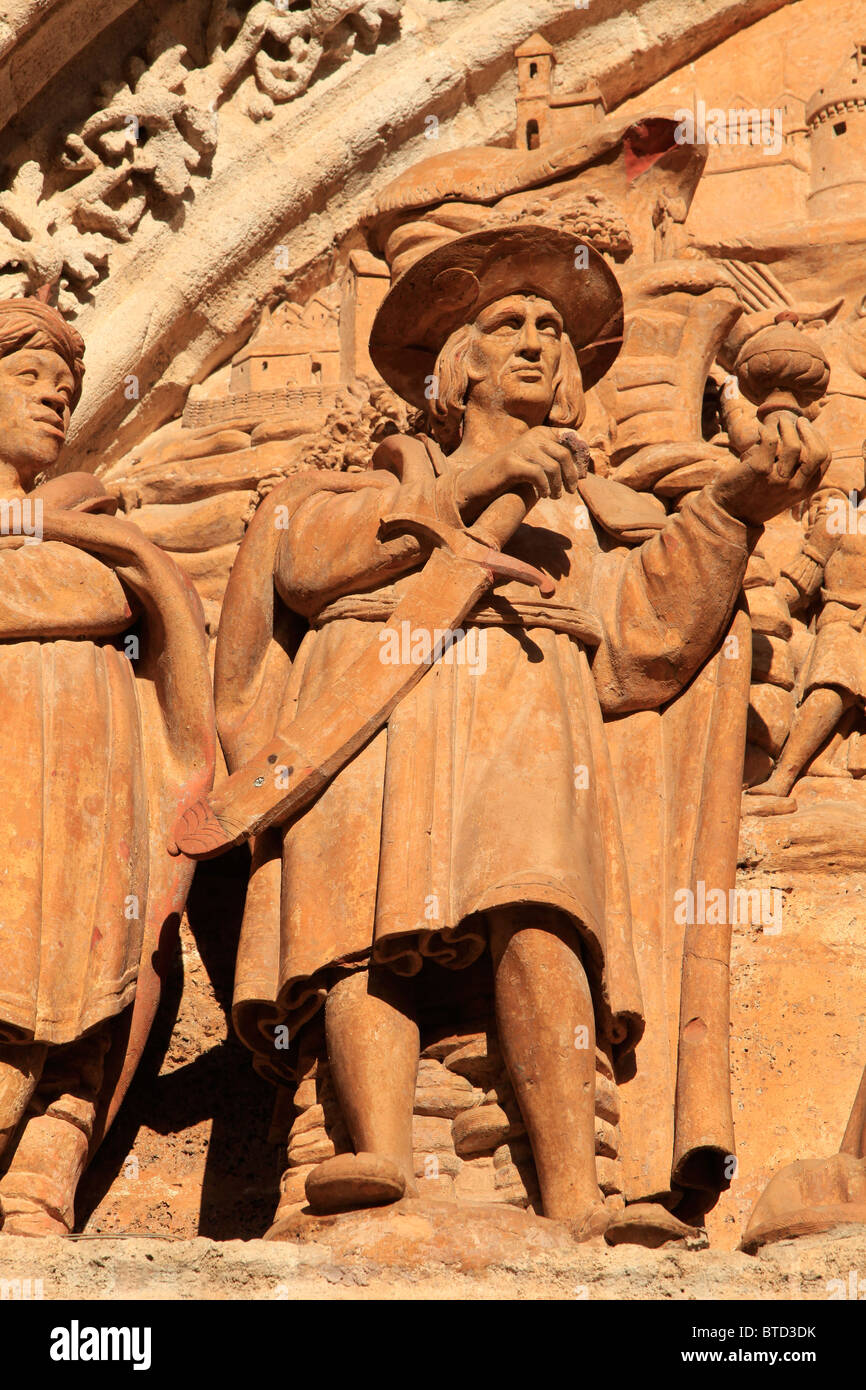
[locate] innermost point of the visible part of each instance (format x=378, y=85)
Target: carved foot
x=763, y=801
x=349, y=1182
x=651, y=1225
x=591, y=1224
x=806, y=1198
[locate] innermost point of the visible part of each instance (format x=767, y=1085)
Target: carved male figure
x=468, y=798
x=101, y=740
x=827, y=578
x=831, y=561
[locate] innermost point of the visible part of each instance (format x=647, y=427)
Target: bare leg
x=373, y=1046
x=38, y=1190
x=20, y=1070
x=543, y=1006
x=814, y=722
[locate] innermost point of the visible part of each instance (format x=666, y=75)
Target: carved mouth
x=50, y=423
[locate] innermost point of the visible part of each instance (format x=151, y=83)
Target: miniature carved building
x=748, y=161
x=292, y=347
x=836, y=117
x=818, y=170
x=299, y=356
x=544, y=115
x=290, y=366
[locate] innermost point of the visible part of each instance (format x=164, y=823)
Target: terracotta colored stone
x=544, y=815
x=106, y=736
x=354, y=1180
x=817, y=1194
x=354, y=551
x=465, y=1235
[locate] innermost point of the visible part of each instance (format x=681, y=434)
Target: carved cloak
x=470, y=798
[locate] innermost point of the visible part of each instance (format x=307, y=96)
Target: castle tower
x=543, y=115
x=836, y=116
x=535, y=60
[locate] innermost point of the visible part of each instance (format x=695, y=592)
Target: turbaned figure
x=106, y=732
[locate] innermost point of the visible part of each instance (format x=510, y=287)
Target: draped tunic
x=838, y=654
x=488, y=787
x=98, y=749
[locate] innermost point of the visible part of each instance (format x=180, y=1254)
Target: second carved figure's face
x=36, y=390
x=514, y=356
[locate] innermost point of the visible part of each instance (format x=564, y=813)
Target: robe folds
x=100, y=743
x=509, y=775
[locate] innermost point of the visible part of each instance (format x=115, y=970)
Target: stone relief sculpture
x=469, y=1136
x=470, y=816
x=155, y=133
x=816, y=1194
x=107, y=730
x=832, y=678
x=520, y=484
x=824, y=581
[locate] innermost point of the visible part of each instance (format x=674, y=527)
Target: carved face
x=514, y=356
x=36, y=389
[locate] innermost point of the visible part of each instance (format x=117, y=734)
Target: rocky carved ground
x=820, y=1268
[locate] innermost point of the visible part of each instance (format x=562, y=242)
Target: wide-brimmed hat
x=451, y=284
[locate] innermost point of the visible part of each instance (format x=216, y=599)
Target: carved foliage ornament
x=152, y=134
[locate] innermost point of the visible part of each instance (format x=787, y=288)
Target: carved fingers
x=744, y=431
x=539, y=460
x=788, y=450
x=784, y=463
x=786, y=447
x=814, y=456
x=541, y=449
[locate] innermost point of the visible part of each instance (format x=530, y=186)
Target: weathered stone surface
x=816, y=1268
x=297, y=403
x=117, y=739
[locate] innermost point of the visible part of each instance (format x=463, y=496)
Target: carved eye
x=861, y=308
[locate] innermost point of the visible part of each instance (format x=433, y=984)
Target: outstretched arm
x=666, y=606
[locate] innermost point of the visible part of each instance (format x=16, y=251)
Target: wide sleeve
x=331, y=545
x=52, y=589
x=666, y=605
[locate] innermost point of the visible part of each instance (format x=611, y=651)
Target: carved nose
x=54, y=401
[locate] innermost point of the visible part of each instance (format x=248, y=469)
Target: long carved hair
x=452, y=380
